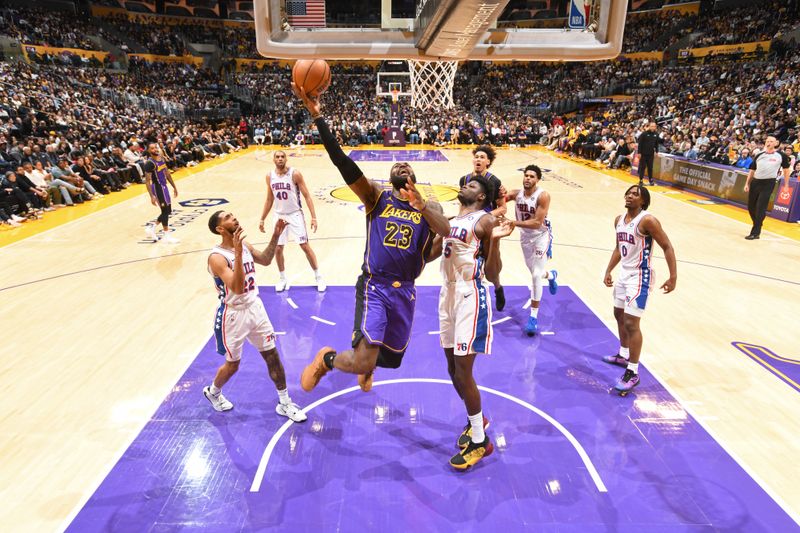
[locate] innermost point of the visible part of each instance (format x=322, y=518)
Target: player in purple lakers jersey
x=482, y=158
x=157, y=175
x=636, y=230
x=400, y=227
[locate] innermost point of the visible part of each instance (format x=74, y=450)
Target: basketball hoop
x=432, y=83
x=395, y=95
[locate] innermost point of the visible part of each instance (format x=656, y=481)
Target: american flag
x=306, y=13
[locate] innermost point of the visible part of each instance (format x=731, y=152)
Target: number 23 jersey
x=397, y=237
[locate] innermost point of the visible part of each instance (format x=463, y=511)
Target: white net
x=432, y=83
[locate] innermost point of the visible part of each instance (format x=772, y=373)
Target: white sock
x=284, y=397
x=317, y=274
x=535, y=312
x=625, y=352
x=214, y=390
x=283, y=275
x=476, y=421
x=634, y=367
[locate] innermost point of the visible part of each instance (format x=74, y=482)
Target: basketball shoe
x=553, y=285
x=499, y=298
x=282, y=285
x=532, y=327
x=474, y=452
x=218, y=402
x=627, y=382
x=315, y=370
x=466, y=436
x=150, y=230
x=616, y=360
x=365, y=381
x=321, y=285
x=291, y=411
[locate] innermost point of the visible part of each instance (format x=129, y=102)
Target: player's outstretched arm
x=431, y=209
x=616, y=257
x=265, y=256
x=651, y=226
x=366, y=191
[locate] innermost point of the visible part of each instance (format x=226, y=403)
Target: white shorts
x=296, y=226
x=536, y=247
x=465, y=317
x=233, y=326
x=632, y=290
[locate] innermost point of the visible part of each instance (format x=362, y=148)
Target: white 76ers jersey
x=526, y=209
x=634, y=247
x=286, y=192
x=250, y=293
x=462, y=249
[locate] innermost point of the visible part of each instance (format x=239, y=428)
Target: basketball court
x=109, y=342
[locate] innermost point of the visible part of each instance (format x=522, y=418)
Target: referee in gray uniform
x=761, y=182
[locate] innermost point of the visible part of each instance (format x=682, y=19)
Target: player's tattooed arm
x=265, y=256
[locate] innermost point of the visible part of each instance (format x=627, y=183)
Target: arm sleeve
x=753, y=164
x=347, y=167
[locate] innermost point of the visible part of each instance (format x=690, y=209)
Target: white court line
x=527, y=304
x=504, y=319
x=318, y=319
x=291, y=303
x=686, y=405
x=262, y=465
x=434, y=332
x=547, y=333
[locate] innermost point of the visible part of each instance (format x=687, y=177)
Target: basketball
x=314, y=75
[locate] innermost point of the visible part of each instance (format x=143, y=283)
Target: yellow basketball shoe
x=473, y=453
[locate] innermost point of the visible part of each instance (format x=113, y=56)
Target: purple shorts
x=384, y=312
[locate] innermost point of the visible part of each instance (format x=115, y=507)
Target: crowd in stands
x=644, y=33
x=48, y=28
x=72, y=131
x=149, y=38
x=757, y=21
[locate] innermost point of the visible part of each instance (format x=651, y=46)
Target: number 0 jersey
x=227, y=296
x=397, y=237
x=634, y=247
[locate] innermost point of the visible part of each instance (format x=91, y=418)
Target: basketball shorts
x=233, y=326
x=384, y=312
x=536, y=247
x=465, y=317
x=632, y=290
x=296, y=228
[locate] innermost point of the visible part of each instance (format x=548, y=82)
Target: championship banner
x=723, y=182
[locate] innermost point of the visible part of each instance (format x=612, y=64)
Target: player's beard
x=399, y=182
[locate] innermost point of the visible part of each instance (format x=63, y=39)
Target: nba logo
x=579, y=14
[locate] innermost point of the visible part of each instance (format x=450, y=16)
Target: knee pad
x=388, y=358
